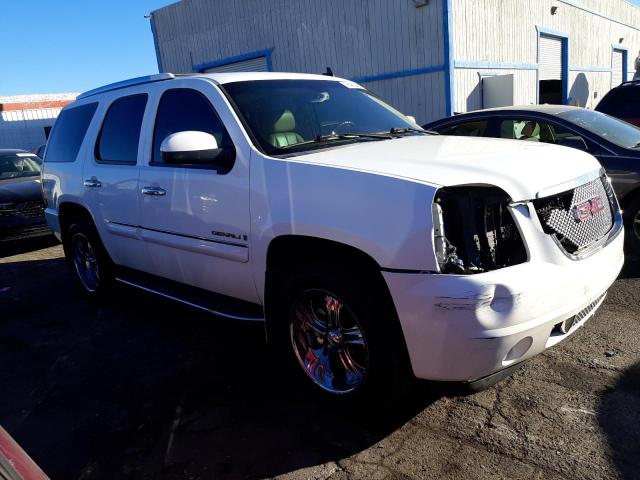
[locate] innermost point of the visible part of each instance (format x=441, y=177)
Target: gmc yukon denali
x=374, y=250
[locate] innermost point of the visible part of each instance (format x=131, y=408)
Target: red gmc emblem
x=588, y=209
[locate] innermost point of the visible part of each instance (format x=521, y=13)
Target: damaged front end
x=474, y=230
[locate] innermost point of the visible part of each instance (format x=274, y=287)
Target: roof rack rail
x=127, y=83
x=627, y=82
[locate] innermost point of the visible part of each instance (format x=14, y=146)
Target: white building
x=26, y=120
x=428, y=58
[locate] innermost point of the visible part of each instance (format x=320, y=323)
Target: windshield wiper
x=339, y=136
x=401, y=130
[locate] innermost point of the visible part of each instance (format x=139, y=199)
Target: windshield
x=287, y=116
x=616, y=131
x=19, y=165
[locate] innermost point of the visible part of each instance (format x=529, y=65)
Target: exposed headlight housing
x=474, y=230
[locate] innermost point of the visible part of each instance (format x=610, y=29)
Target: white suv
x=370, y=247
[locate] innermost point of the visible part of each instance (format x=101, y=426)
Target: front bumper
x=464, y=327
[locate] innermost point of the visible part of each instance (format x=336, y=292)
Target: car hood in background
x=18, y=190
x=520, y=168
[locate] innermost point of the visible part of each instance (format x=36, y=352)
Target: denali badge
x=235, y=236
x=587, y=209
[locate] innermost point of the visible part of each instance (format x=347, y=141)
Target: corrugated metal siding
x=355, y=38
x=25, y=128
x=616, y=68
x=549, y=58
x=505, y=31
x=258, y=64
x=421, y=96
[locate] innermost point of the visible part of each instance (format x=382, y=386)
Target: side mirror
x=573, y=142
x=412, y=119
x=189, y=147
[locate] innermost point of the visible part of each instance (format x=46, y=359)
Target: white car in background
x=373, y=249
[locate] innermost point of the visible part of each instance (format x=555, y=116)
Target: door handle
x=154, y=191
x=92, y=183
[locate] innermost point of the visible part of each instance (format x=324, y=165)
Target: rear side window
x=68, y=133
x=120, y=133
x=469, y=129
x=183, y=109
x=621, y=102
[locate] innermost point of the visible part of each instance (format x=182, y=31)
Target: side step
x=210, y=302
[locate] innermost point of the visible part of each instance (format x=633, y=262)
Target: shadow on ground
x=619, y=417
x=8, y=249
x=137, y=387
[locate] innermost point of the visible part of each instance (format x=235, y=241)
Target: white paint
x=375, y=197
x=188, y=141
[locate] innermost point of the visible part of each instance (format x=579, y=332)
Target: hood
x=520, y=168
x=18, y=190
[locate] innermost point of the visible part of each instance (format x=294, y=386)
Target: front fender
x=387, y=218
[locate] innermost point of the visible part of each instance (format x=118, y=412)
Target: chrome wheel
x=328, y=341
x=85, y=262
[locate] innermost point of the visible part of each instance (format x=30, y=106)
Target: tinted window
x=184, y=109
x=68, y=133
x=535, y=131
x=621, y=102
x=19, y=165
x=120, y=134
x=469, y=129
x=616, y=131
x=294, y=115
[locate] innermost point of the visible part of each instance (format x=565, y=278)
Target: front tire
x=341, y=334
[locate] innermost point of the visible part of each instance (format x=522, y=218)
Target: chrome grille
x=579, y=217
x=589, y=309
x=17, y=233
x=32, y=209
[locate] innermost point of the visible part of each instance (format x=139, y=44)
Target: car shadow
x=17, y=247
x=138, y=387
x=619, y=417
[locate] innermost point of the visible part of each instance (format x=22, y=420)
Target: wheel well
x=289, y=252
x=67, y=213
x=294, y=253
x=629, y=198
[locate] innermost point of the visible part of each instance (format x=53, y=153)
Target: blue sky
x=55, y=46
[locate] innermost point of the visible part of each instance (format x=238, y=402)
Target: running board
x=210, y=302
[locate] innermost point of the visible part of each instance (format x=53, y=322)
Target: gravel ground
x=142, y=388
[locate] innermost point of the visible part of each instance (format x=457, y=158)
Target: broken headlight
x=474, y=230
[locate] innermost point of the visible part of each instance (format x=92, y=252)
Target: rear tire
x=340, y=334
x=88, y=259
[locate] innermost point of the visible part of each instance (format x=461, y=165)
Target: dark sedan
x=616, y=144
x=21, y=205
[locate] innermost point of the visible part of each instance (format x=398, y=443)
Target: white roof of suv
x=220, y=78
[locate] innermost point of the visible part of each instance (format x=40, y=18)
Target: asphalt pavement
x=140, y=388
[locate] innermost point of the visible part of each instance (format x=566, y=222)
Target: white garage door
x=616, y=68
x=258, y=64
x=550, y=61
